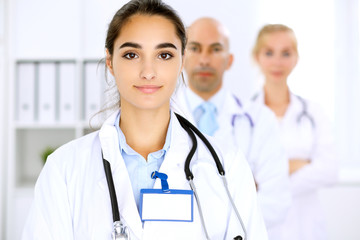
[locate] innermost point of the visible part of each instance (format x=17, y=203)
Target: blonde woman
x=306, y=133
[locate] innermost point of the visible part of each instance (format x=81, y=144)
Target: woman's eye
x=269, y=53
x=165, y=56
x=286, y=54
x=130, y=56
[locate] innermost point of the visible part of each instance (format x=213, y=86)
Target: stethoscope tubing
x=184, y=122
x=110, y=182
x=190, y=129
x=188, y=173
x=305, y=112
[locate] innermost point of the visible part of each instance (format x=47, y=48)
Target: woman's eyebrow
x=136, y=45
x=130, y=44
x=166, y=45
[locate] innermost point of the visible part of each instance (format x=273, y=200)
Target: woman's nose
x=148, y=70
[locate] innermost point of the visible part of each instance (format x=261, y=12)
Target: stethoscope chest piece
x=119, y=231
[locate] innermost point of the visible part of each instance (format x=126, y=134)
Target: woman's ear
x=108, y=62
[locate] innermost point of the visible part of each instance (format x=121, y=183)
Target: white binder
x=47, y=93
x=94, y=89
x=67, y=84
x=25, y=93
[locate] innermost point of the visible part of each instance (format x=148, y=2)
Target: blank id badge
x=171, y=205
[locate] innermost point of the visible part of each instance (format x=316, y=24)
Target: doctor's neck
x=277, y=97
x=145, y=130
x=205, y=92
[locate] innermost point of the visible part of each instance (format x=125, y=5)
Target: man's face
x=207, y=57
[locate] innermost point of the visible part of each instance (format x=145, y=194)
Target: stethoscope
x=304, y=114
x=120, y=231
x=243, y=114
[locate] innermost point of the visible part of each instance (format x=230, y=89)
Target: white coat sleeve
x=242, y=187
x=323, y=168
x=270, y=169
x=49, y=217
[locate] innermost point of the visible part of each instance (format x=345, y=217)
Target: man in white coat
x=251, y=128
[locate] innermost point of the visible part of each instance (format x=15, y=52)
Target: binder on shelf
x=66, y=102
x=47, y=93
x=25, y=96
x=94, y=89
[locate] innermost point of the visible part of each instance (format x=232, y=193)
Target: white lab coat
x=262, y=147
x=302, y=140
x=72, y=200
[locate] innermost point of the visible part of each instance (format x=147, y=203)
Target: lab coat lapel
x=225, y=114
x=125, y=197
x=231, y=113
x=293, y=106
x=230, y=108
x=179, y=104
x=173, y=164
x=259, y=97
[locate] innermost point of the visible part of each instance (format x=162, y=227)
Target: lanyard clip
x=163, y=177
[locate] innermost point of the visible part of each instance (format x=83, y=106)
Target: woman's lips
x=148, y=88
x=277, y=73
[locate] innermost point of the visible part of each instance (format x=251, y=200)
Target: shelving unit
x=58, y=44
x=65, y=117
x=53, y=105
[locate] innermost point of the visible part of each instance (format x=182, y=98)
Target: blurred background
x=50, y=83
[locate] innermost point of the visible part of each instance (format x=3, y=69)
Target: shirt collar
x=218, y=99
x=194, y=101
x=127, y=149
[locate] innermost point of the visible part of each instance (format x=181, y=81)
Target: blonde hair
x=268, y=29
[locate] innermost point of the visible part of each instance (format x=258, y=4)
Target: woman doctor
x=144, y=52
x=305, y=132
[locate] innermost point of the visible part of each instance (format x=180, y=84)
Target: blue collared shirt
x=194, y=102
x=140, y=169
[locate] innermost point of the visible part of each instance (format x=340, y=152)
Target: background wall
x=3, y=112
x=327, y=72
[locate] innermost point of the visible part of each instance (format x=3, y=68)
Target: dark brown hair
x=143, y=7
x=120, y=19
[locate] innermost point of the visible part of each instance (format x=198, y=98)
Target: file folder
x=94, y=89
x=25, y=93
x=67, y=96
x=47, y=93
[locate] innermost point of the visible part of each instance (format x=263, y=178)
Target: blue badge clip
x=163, y=177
